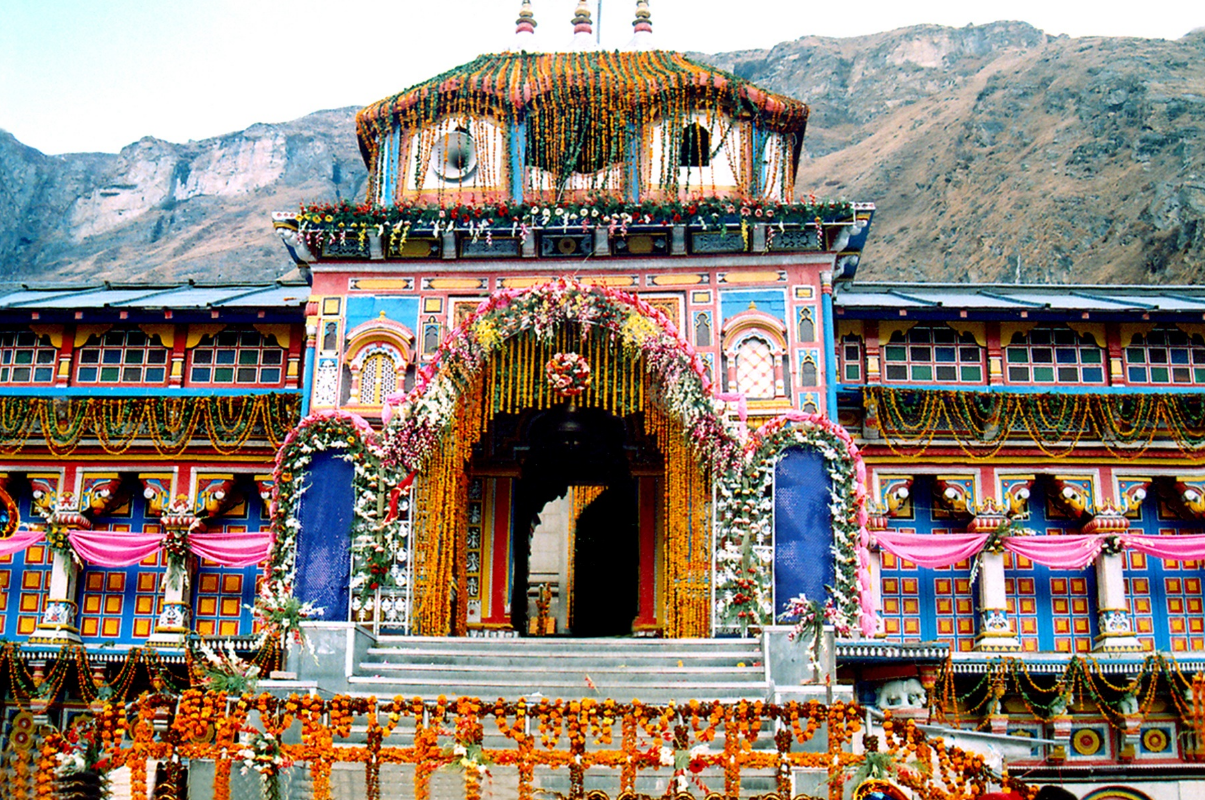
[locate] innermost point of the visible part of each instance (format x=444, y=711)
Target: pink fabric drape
x=1173, y=548
x=928, y=550
x=231, y=549
x=1057, y=552
x=19, y=541
x=114, y=548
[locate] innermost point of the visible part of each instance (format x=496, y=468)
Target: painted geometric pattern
x=222, y=595
x=755, y=369
x=24, y=581
x=34, y=574
x=927, y=604
x=1022, y=601
x=1167, y=598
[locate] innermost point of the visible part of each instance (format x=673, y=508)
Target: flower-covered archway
x=642, y=363
x=495, y=362
x=680, y=378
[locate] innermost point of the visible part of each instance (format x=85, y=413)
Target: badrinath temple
x=578, y=462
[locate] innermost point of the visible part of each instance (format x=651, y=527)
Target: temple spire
x=525, y=28
x=642, y=37
x=583, y=29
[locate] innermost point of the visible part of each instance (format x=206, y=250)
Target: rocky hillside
x=992, y=152
x=996, y=152
x=164, y=211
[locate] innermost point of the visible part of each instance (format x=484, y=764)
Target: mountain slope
x=994, y=152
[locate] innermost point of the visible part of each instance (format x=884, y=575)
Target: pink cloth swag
x=19, y=541
x=114, y=548
x=231, y=549
x=1057, y=552
x=928, y=550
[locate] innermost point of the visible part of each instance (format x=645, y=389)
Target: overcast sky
x=96, y=75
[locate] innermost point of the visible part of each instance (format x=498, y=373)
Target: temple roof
x=637, y=85
x=176, y=296
x=1019, y=297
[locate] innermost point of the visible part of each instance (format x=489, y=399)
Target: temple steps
x=652, y=670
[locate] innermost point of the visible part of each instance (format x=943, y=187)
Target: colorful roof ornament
x=583, y=29
x=525, y=27
x=642, y=38
x=547, y=89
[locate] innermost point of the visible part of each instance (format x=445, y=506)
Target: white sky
x=96, y=75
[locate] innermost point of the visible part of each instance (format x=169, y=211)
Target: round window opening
x=456, y=156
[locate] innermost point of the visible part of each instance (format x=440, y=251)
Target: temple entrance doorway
x=576, y=527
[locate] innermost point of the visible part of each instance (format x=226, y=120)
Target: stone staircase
x=651, y=670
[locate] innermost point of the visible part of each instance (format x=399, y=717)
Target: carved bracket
x=1075, y=495
x=897, y=495
x=1014, y=493
x=100, y=494
x=955, y=494
x=1131, y=492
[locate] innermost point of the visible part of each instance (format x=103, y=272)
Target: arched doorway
x=576, y=524
x=506, y=425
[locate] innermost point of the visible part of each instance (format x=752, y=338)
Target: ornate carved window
x=755, y=368
x=1166, y=355
x=122, y=356
x=26, y=357
x=807, y=324
x=755, y=347
x=237, y=356
x=1054, y=355
x=378, y=353
x=928, y=354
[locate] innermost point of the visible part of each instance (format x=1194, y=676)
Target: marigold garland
x=982, y=423
x=170, y=424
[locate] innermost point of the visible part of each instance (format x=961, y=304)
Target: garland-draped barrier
x=171, y=424
x=711, y=749
x=120, y=549
x=983, y=423
x=1072, y=552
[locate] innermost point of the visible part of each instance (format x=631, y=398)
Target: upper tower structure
x=635, y=126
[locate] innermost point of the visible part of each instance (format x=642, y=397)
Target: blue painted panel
x=222, y=597
x=921, y=604
x=324, y=542
x=21, y=597
x=769, y=301
x=803, y=527
x=120, y=604
x=398, y=309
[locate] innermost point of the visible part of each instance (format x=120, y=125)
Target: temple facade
x=586, y=364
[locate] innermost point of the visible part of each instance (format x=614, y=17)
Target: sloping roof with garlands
x=631, y=86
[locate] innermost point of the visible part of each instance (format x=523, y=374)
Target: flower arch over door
x=422, y=435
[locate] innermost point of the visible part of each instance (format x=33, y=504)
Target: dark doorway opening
x=566, y=447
